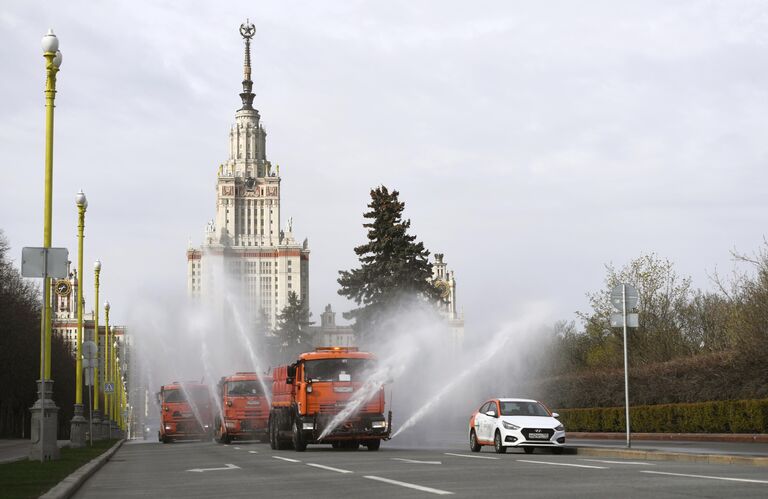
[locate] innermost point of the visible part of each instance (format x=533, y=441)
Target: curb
x=683, y=437
x=672, y=456
x=67, y=487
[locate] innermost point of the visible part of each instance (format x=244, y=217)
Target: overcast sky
x=532, y=142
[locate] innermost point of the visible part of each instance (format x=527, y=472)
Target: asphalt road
x=206, y=469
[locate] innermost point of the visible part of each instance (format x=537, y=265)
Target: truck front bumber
x=358, y=427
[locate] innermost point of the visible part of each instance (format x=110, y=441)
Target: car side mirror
x=555, y=415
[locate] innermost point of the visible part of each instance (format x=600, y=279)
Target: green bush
x=722, y=416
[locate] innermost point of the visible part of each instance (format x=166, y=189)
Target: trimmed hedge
x=725, y=416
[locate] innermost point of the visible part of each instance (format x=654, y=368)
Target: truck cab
x=186, y=412
x=308, y=395
x=244, y=402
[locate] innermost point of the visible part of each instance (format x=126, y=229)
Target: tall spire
x=247, y=30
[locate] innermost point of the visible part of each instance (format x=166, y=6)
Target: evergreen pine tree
x=393, y=266
x=292, y=331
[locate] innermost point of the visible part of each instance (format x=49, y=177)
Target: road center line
x=415, y=461
x=564, y=464
x=287, y=459
x=253, y=452
x=237, y=448
x=410, y=485
x=748, y=480
x=470, y=455
x=618, y=462
x=329, y=468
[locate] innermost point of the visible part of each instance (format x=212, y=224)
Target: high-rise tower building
x=245, y=249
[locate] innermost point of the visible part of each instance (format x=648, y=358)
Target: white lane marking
x=564, y=464
x=228, y=467
x=415, y=461
x=748, y=480
x=237, y=448
x=410, y=485
x=253, y=452
x=329, y=468
x=470, y=455
x=617, y=462
x=287, y=459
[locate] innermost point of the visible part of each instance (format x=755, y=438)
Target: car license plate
x=538, y=436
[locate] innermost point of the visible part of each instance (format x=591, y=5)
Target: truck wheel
x=272, y=435
x=299, y=444
x=497, y=444
x=474, y=446
x=373, y=445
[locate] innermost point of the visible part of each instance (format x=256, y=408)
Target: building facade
x=246, y=251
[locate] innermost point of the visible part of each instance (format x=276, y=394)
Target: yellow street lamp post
x=77, y=428
x=45, y=412
x=98, y=433
x=107, y=372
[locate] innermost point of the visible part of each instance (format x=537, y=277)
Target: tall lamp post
x=77, y=429
x=98, y=434
x=45, y=412
x=107, y=363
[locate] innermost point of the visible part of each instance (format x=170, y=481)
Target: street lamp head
x=97, y=265
x=106, y=306
x=57, y=59
x=80, y=200
x=50, y=43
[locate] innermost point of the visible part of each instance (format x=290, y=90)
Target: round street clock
x=63, y=288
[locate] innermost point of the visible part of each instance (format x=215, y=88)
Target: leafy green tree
x=664, y=297
x=292, y=331
x=393, y=266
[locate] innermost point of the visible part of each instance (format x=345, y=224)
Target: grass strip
x=23, y=479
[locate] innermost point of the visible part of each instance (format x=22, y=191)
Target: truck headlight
x=231, y=425
x=309, y=388
x=559, y=428
x=510, y=426
x=168, y=427
x=379, y=424
x=308, y=426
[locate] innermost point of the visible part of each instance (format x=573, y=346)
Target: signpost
x=43, y=263
x=625, y=297
x=109, y=387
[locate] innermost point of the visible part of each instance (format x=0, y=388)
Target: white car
x=507, y=422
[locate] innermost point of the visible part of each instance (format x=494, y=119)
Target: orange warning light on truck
x=308, y=394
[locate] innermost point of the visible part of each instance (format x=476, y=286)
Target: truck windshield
x=244, y=388
x=199, y=394
x=337, y=369
x=523, y=409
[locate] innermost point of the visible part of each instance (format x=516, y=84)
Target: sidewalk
x=18, y=449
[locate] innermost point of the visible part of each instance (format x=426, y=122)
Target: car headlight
x=378, y=424
x=510, y=426
x=559, y=428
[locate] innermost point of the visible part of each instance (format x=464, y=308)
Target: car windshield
x=174, y=396
x=523, y=409
x=244, y=388
x=337, y=369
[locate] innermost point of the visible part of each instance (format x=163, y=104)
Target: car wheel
x=528, y=450
x=373, y=445
x=474, y=446
x=299, y=444
x=497, y=444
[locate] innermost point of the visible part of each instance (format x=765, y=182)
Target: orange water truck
x=244, y=406
x=308, y=394
x=186, y=412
